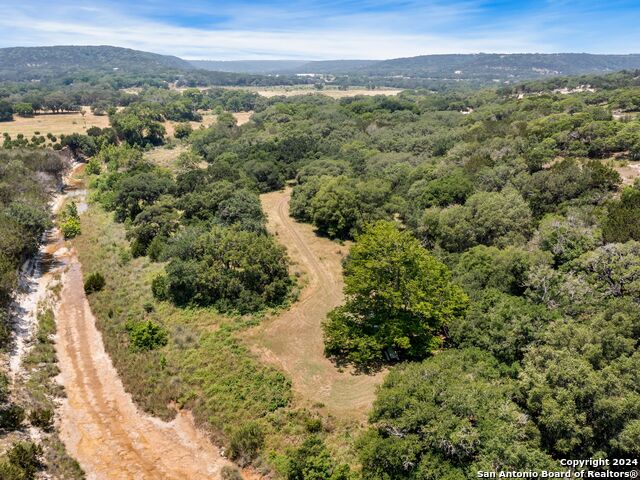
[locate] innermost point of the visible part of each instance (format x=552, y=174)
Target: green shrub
x=70, y=228
x=183, y=130
x=11, y=417
x=41, y=418
x=9, y=471
x=138, y=249
x=160, y=287
x=146, y=335
x=93, y=167
x=94, y=282
x=25, y=456
x=70, y=221
x=230, y=473
x=245, y=442
x=313, y=425
x=312, y=461
x=154, y=250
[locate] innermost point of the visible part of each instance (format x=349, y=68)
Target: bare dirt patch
x=293, y=340
x=629, y=172
x=242, y=117
x=56, y=124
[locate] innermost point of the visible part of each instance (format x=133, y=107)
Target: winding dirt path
x=293, y=341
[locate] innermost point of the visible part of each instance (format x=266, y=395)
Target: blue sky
x=279, y=29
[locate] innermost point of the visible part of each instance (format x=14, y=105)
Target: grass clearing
x=56, y=124
x=74, y=122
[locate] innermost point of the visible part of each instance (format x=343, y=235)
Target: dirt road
x=293, y=340
x=100, y=425
x=98, y=421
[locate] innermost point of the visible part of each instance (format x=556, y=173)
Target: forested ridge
x=495, y=270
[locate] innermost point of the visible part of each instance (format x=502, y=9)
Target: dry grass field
x=208, y=119
x=59, y=123
x=332, y=92
x=75, y=122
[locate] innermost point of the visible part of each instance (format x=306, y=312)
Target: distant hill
x=249, y=66
x=39, y=63
x=337, y=67
x=500, y=66
x=123, y=67
x=438, y=71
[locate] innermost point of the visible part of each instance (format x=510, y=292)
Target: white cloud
x=303, y=31
x=99, y=27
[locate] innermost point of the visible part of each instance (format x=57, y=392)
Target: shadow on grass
x=342, y=362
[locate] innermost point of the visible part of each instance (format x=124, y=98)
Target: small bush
x=160, y=287
x=313, y=425
x=11, y=417
x=230, y=473
x=312, y=460
x=245, y=443
x=70, y=221
x=154, y=250
x=94, y=283
x=70, y=228
x=183, y=130
x=9, y=471
x=138, y=249
x=93, y=167
x=41, y=418
x=25, y=456
x=147, y=335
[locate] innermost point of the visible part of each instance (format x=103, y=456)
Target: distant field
x=59, y=123
x=310, y=89
x=286, y=91
x=208, y=119
x=67, y=123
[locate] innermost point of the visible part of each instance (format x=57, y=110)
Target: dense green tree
x=23, y=109
x=623, y=217
x=501, y=324
x=6, y=111
x=580, y=381
x=488, y=218
x=566, y=238
x=334, y=208
x=230, y=269
x=137, y=128
x=612, y=270
x=137, y=191
x=507, y=269
x=242, y=209
x=447, y=418
x=398, y=298
x=157, y=220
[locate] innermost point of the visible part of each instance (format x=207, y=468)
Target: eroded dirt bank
x=293, y=341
